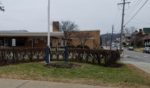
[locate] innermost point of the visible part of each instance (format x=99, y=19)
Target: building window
x=6, y=42
x=1, y=42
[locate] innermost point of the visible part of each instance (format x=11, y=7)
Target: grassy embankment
x=87, y=73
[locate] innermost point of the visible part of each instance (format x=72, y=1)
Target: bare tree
x=67, y=37
x=68, y=26
x=130, y=30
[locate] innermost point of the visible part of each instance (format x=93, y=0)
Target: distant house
x=141, y=38
x=39, y=39
x=137, y=38
x=147, y=37
x=146, y=30
x=127, y=38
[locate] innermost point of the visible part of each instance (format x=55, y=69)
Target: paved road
x=136, y=56
x=140, y=60
x=13, y=83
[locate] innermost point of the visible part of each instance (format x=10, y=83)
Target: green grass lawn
x=87, y=73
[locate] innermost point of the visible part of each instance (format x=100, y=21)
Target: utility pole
x=122, y=21
x=107, y=39
x=112, y=37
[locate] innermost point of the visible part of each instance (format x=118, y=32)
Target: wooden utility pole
x=107, y=39
x=122, y=21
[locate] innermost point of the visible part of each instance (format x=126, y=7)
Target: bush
x=102, y=57
x=112, y=58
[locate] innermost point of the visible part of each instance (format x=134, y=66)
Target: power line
x=142, y=21
x=135, y=4
x=134, y=7
x=138, y=2
x=136, y=12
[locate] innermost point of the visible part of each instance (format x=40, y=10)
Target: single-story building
x=39, y=39
x=29, y=39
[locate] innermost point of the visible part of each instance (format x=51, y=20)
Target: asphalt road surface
x=135, y=56
x=140, y=60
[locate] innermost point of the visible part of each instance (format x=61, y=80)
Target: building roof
x=85, y=30
x=146, y=30
x=25, y=34
x=13, y=31
x=147, y=37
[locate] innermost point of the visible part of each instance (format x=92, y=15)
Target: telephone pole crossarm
x=123, y=3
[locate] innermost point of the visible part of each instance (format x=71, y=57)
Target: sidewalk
x=141, y=65
x=13, y=83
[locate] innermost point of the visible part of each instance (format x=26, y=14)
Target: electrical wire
x=135, y=4
x=138, y=2
x=136, y=12
x=142, y=21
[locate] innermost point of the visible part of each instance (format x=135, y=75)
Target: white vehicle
x=147, y=49
x=119, y=48
x=130, y=48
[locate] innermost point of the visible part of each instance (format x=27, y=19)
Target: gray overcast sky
x=31, y=15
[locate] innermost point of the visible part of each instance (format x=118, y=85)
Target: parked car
x=130, y=48
x=147, y=50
